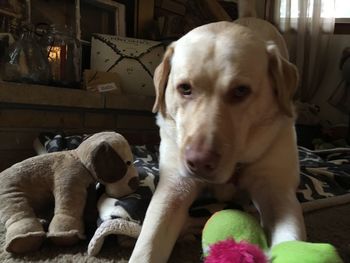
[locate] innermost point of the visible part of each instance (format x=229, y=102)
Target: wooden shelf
x=28, y=94
x=27, y=110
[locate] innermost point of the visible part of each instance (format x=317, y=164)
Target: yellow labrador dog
x=224, y=96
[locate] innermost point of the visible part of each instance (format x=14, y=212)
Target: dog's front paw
x=65, y=230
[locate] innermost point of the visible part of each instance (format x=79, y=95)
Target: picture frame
x=112, y=14
x=139, y=17
x=119, y=24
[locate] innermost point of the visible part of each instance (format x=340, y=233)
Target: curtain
x=307, y=26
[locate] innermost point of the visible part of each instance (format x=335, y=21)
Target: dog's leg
x=280, y=212
x=272, y=182
x=164, y=219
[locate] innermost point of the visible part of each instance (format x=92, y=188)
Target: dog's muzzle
x=201, y=163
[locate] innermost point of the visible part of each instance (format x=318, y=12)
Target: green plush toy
x=298, y=251
x=230, y=230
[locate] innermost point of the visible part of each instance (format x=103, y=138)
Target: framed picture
x=109, y=18
x=140, y=17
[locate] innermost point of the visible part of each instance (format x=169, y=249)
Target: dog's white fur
x=256, y=132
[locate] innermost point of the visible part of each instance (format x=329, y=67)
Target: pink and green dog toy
x=233, y=236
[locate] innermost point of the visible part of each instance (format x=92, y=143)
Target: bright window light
x=342, y=8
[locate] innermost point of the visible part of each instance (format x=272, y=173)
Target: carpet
x=324, y=193
x=331, y=225
x=184, y=252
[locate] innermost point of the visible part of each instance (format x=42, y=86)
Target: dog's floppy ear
x=160, y=80
x=284, y=78
x=107, y=164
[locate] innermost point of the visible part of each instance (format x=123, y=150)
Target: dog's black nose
x=201, y=162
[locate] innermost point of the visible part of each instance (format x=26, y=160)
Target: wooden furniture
x=27, y=110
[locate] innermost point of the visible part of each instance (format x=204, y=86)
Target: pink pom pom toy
x=229, y=251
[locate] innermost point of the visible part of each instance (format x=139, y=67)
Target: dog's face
x=227, y=93
x=108, y=157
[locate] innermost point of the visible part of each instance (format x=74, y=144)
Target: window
x=342, y=21
x=341, y=9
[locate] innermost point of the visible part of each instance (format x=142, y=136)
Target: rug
x=324, y=188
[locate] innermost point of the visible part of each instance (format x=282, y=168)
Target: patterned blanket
x=325, y=181
x=324, y=177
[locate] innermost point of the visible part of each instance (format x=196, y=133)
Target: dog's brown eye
x=240, y=92
x=185, y=89
x=128, y=163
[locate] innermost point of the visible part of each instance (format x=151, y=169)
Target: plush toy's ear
x=161, y=79
x=107, y=164
x=284, y=78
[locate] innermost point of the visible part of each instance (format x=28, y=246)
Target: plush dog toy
x=232, y=236
x=63, y=178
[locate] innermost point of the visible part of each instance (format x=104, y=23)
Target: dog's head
x=107, y=155
x=226, y=92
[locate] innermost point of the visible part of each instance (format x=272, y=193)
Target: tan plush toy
x=62, y=177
